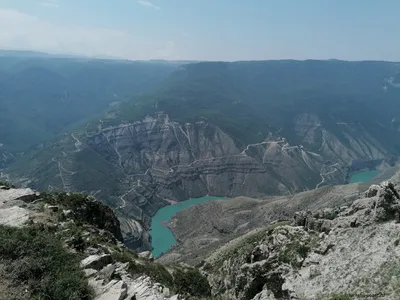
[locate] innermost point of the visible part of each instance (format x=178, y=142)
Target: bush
x=86, y=211
x=7, y=184
x=339, y=297
x=37, y=260
x=191, y=282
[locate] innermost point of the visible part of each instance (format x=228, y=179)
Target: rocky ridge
x=348, y=252
x=91, y=231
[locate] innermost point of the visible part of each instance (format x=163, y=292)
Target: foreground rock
x=349, y=252
x=91, y=231
x=11, y=199
x=345, y=252
x=113, y=281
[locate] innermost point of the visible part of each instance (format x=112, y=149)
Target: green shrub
x=155, y=271
x=294, y=251
x=86, y=210
x=191, y=282
x=339, y=297
x=37, y=260
x=7, y=184
x=334, y=297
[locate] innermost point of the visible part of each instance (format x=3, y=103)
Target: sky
x=226, y=30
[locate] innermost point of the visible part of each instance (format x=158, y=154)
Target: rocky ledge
x=339, y=253
x=96, y=264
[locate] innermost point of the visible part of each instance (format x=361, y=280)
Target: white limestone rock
x=14, y=216
x=96, y=262
x=16, y=194
x=146, y=254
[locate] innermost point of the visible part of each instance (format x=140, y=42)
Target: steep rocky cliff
x=139, y=167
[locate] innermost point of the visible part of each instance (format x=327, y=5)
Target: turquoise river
x=162, y=238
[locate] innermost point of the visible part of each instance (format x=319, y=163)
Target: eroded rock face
x=319, y=221
x=168, y=160
x=101, y=216
x=125, y=287
x=155, y=160
x=195, y=159
x=345, y=251
x=263, y=264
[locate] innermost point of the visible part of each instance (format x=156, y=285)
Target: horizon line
x=111, y=58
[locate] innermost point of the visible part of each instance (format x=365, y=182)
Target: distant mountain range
x=31, y=54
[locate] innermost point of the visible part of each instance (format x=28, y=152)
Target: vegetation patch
x=294, y=254
x=335, y=297
x=185, y=281
x=191, y=282
x=86, y=210
x=245, y=247
x=6, y=184
x=36, y=260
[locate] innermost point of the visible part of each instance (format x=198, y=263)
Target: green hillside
x=41, y=96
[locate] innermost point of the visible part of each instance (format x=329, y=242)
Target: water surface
x=162, y=238
x=364, y=176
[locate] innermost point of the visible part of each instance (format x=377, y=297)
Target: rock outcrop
x=91, y=231
x=344, y=252
x=112, y=280
x=11, y=200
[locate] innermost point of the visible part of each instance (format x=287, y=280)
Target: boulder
x=373, y=190
x=107, y=272
x=17, y=194
x=300, y=218
x=90, y=272
x=14, y=216
x=146, y=254
x=114, y=290
x=67, y=213
x=96, y=262
x=326, y=226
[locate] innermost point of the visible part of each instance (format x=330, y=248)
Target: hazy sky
x=205, y=29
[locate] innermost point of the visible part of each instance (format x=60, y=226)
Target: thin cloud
x=148, y=4
x=50, y=3
x=28, y=32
